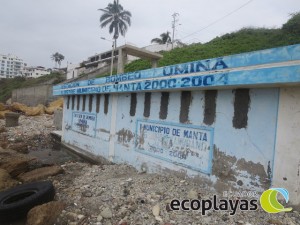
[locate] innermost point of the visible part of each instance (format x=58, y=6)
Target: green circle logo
x=269, y=202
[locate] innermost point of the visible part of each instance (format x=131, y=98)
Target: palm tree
x=117, y=18
x=57, y=58
x=164, y=38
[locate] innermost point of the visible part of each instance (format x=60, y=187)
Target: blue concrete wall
x=244, y=154
x=243, y=69
x=95, y=138
x=214, y=119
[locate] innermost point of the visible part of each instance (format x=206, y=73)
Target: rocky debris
x=147, y=201
x=156, y=211
x=2, y=129
x=40, y=173
x=45, y=214
x=192, y=194
x=6, y=181
x=274, y=222
x=19, y=147
x=106, y=213
x=32, y=131
x=16, y=167
x=36, y=110
x=2, y=107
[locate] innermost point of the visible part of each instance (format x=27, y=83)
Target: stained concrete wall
x=287, y=158
x=224, y=120
x=33, y=96
x=237, y=156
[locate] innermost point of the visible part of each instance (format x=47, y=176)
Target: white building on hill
x=34, y=72
x=11, y=66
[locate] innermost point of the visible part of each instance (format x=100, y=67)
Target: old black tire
x=17, y=201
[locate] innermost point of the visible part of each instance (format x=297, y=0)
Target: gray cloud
x=34, y=29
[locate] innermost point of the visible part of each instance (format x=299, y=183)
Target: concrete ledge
x=87, y=156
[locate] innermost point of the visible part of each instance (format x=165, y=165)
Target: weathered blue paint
x=256, y=142
x=204, y=73
x=96, y=138
x=186, y=145
x=267, y=76
x=84, y=123
x=245, y=154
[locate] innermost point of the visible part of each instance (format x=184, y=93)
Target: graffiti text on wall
x=185, y=145
x=84, y=123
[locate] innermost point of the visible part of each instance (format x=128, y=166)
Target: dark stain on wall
x=83, y=103
x=125, y=136
x=186, y=100
x=147, y=104
x=241, y=108
x=98, y=103
x=73, y=102
x=78, y=102
x=226, y=168
x=91, y=103
x=164, y=104
x=210, y=106
x=222, y=166
x=133, y=102
x=106, y=103
x=68, y=102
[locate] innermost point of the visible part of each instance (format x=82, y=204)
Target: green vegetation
x=8, y=85
x=57, y=58
x=244, y=40
x=164, y=38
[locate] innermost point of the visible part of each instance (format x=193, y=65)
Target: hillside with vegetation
x=244, y=40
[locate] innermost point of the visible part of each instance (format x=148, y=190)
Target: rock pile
x=31, y=111
x=118, y=194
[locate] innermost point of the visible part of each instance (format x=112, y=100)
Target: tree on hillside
x=116, y=18
x=57, y=58
x=164, y=39
x=292, y=26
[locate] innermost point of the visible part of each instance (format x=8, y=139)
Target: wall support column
x=114, y=107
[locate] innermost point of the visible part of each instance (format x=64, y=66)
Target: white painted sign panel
x=84, y=123
x=182, y=144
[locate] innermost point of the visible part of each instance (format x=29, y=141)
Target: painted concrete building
x=35, y=72
x=233, y=121
x=11, y=66
x=99, y=62
x=73, y=70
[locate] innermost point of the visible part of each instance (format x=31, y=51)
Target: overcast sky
x=35, y=29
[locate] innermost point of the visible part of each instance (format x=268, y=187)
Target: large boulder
x=15, y=163
x=16, y=166
x=45, y=214
x=2, y=107
x=6, y=181
x=40, y=173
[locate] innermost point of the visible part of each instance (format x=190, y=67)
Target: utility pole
x=173, y=27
